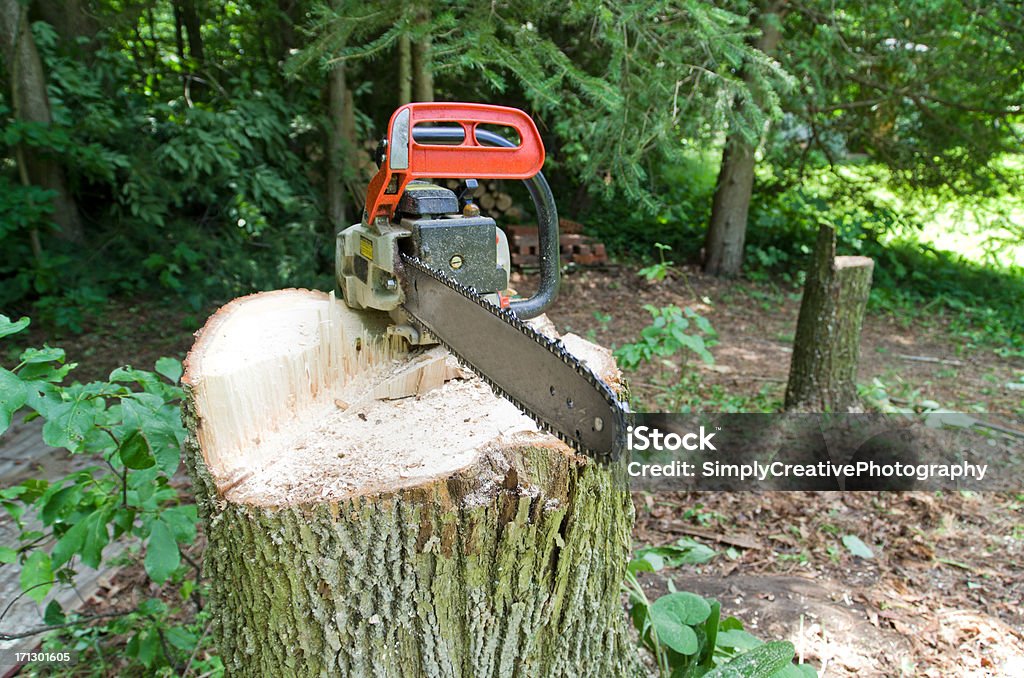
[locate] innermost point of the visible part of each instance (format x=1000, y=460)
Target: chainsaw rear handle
x=547, y=220
x=406, y=159
x=466, y=151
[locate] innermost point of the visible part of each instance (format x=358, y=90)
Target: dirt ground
x=944, y=591
x=943, y=594
x=917, y=358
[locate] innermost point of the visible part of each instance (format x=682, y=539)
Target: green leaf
x=45, y=372
x=43, y=397
x=679, y=637
x=61, y=499
x=13, y=394
x=711, y=634
x=162, y=557
x=182, y=520
x=7, y=555
x=97, y=536
x=123, y=519
x=128, y=374
x=737, y=639
x=54, y=613
x=170, y=368
x=13, y=492
x=145, y=647
x=46, y=354
x=685, y=551
x=638, y=614
x=134, y=451
x=672, y=616
x=37, y=576
x=168, y=454
x=161, y=424
x=69, y=422
x=70, y=543
x=857, y=547
x=152, y=607
x=14, y=510
x=730, y=624
x=34, y=488
x=646, y=562
x=7, y=327
x=761, y=662
x=181, y=638
x=796, y=671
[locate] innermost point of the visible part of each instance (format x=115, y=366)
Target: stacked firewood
x=489, y=195
x=492, y=200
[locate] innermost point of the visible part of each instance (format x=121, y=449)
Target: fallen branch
x=51, y=627
x=929, y=359
x=741, y=541
x=1002, y=429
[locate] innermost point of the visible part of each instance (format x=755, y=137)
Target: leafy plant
x=129, y=427
x=658, y=271
x=685, y=634
x=672, y=331
x=685, y=551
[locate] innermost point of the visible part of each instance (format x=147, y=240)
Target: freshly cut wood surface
x=300, y=398
x=373, y=512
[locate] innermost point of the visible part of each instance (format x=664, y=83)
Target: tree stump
x=373, y=512
x=826, y=350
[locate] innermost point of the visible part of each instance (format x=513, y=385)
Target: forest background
x=160, y=158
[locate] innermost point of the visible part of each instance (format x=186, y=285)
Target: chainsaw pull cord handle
x=547, y=217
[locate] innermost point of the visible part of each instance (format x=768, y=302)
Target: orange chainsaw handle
x=406, y=159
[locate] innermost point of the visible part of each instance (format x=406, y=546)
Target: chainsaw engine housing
x=429, y=225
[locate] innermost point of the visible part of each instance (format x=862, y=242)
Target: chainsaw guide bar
x=561, y=394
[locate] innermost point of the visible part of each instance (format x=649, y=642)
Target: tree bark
x=290, y=12
x=71, y=21
x=727, y=229
x=339, y=146
x=179, y=33
x=31, y=103
x=723, y=244
x=193, y=28
x=423, y=68
x=404, y=70
x=354, y=534
x=826, y=351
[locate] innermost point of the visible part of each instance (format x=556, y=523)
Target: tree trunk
x=339, y=146
x=71, y=21
x=355, y=534
x=727, y=229
x=823, y=372
x=179, y=34
x=404, y=70
x=423, y=68
x=31, y=103
x=723, y=245
x=193, y=26
x=290, y=12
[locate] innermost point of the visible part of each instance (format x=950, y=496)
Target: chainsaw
x=426, y=255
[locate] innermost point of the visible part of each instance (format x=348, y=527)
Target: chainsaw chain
x=554, y=346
